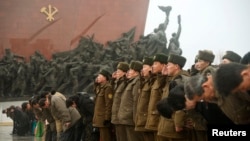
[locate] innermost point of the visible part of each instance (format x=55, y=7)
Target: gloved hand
x=106, y=122
x=164, y=109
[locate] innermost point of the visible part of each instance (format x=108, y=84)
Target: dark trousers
x=50, y=135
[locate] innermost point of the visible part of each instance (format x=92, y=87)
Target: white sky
x=217, y=25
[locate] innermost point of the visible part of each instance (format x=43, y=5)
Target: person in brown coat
x=103, y=105
x=69, y=132
x=55, y=102
x=173, y=128
x=159, y=61
x=119, y=86
x=143, y=99
x=127, y=110
x=205, y=58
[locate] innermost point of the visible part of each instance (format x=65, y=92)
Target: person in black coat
x=21, y=121
x=85, y=105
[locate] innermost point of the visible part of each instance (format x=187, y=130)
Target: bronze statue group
x=140, y=91
x=27, y=76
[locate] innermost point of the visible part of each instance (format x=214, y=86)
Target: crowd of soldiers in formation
x=141, y=91
x=151, y=99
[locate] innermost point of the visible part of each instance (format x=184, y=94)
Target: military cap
x=232, y=56
x=206, y=55
x=162, y=58
x=105, y=73
x=136, y=65
x=123, y=66
x=196, y=59
x=148, y=61
x=177, y=59
x=245, y=59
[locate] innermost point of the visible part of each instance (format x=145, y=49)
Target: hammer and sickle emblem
x=50, y=12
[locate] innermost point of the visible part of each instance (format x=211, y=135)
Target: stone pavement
x=5, y=135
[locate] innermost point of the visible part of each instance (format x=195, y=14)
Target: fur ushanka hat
x=206, y=55
x=232, y=56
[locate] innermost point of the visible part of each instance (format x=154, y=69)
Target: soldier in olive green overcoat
x=103, y=105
